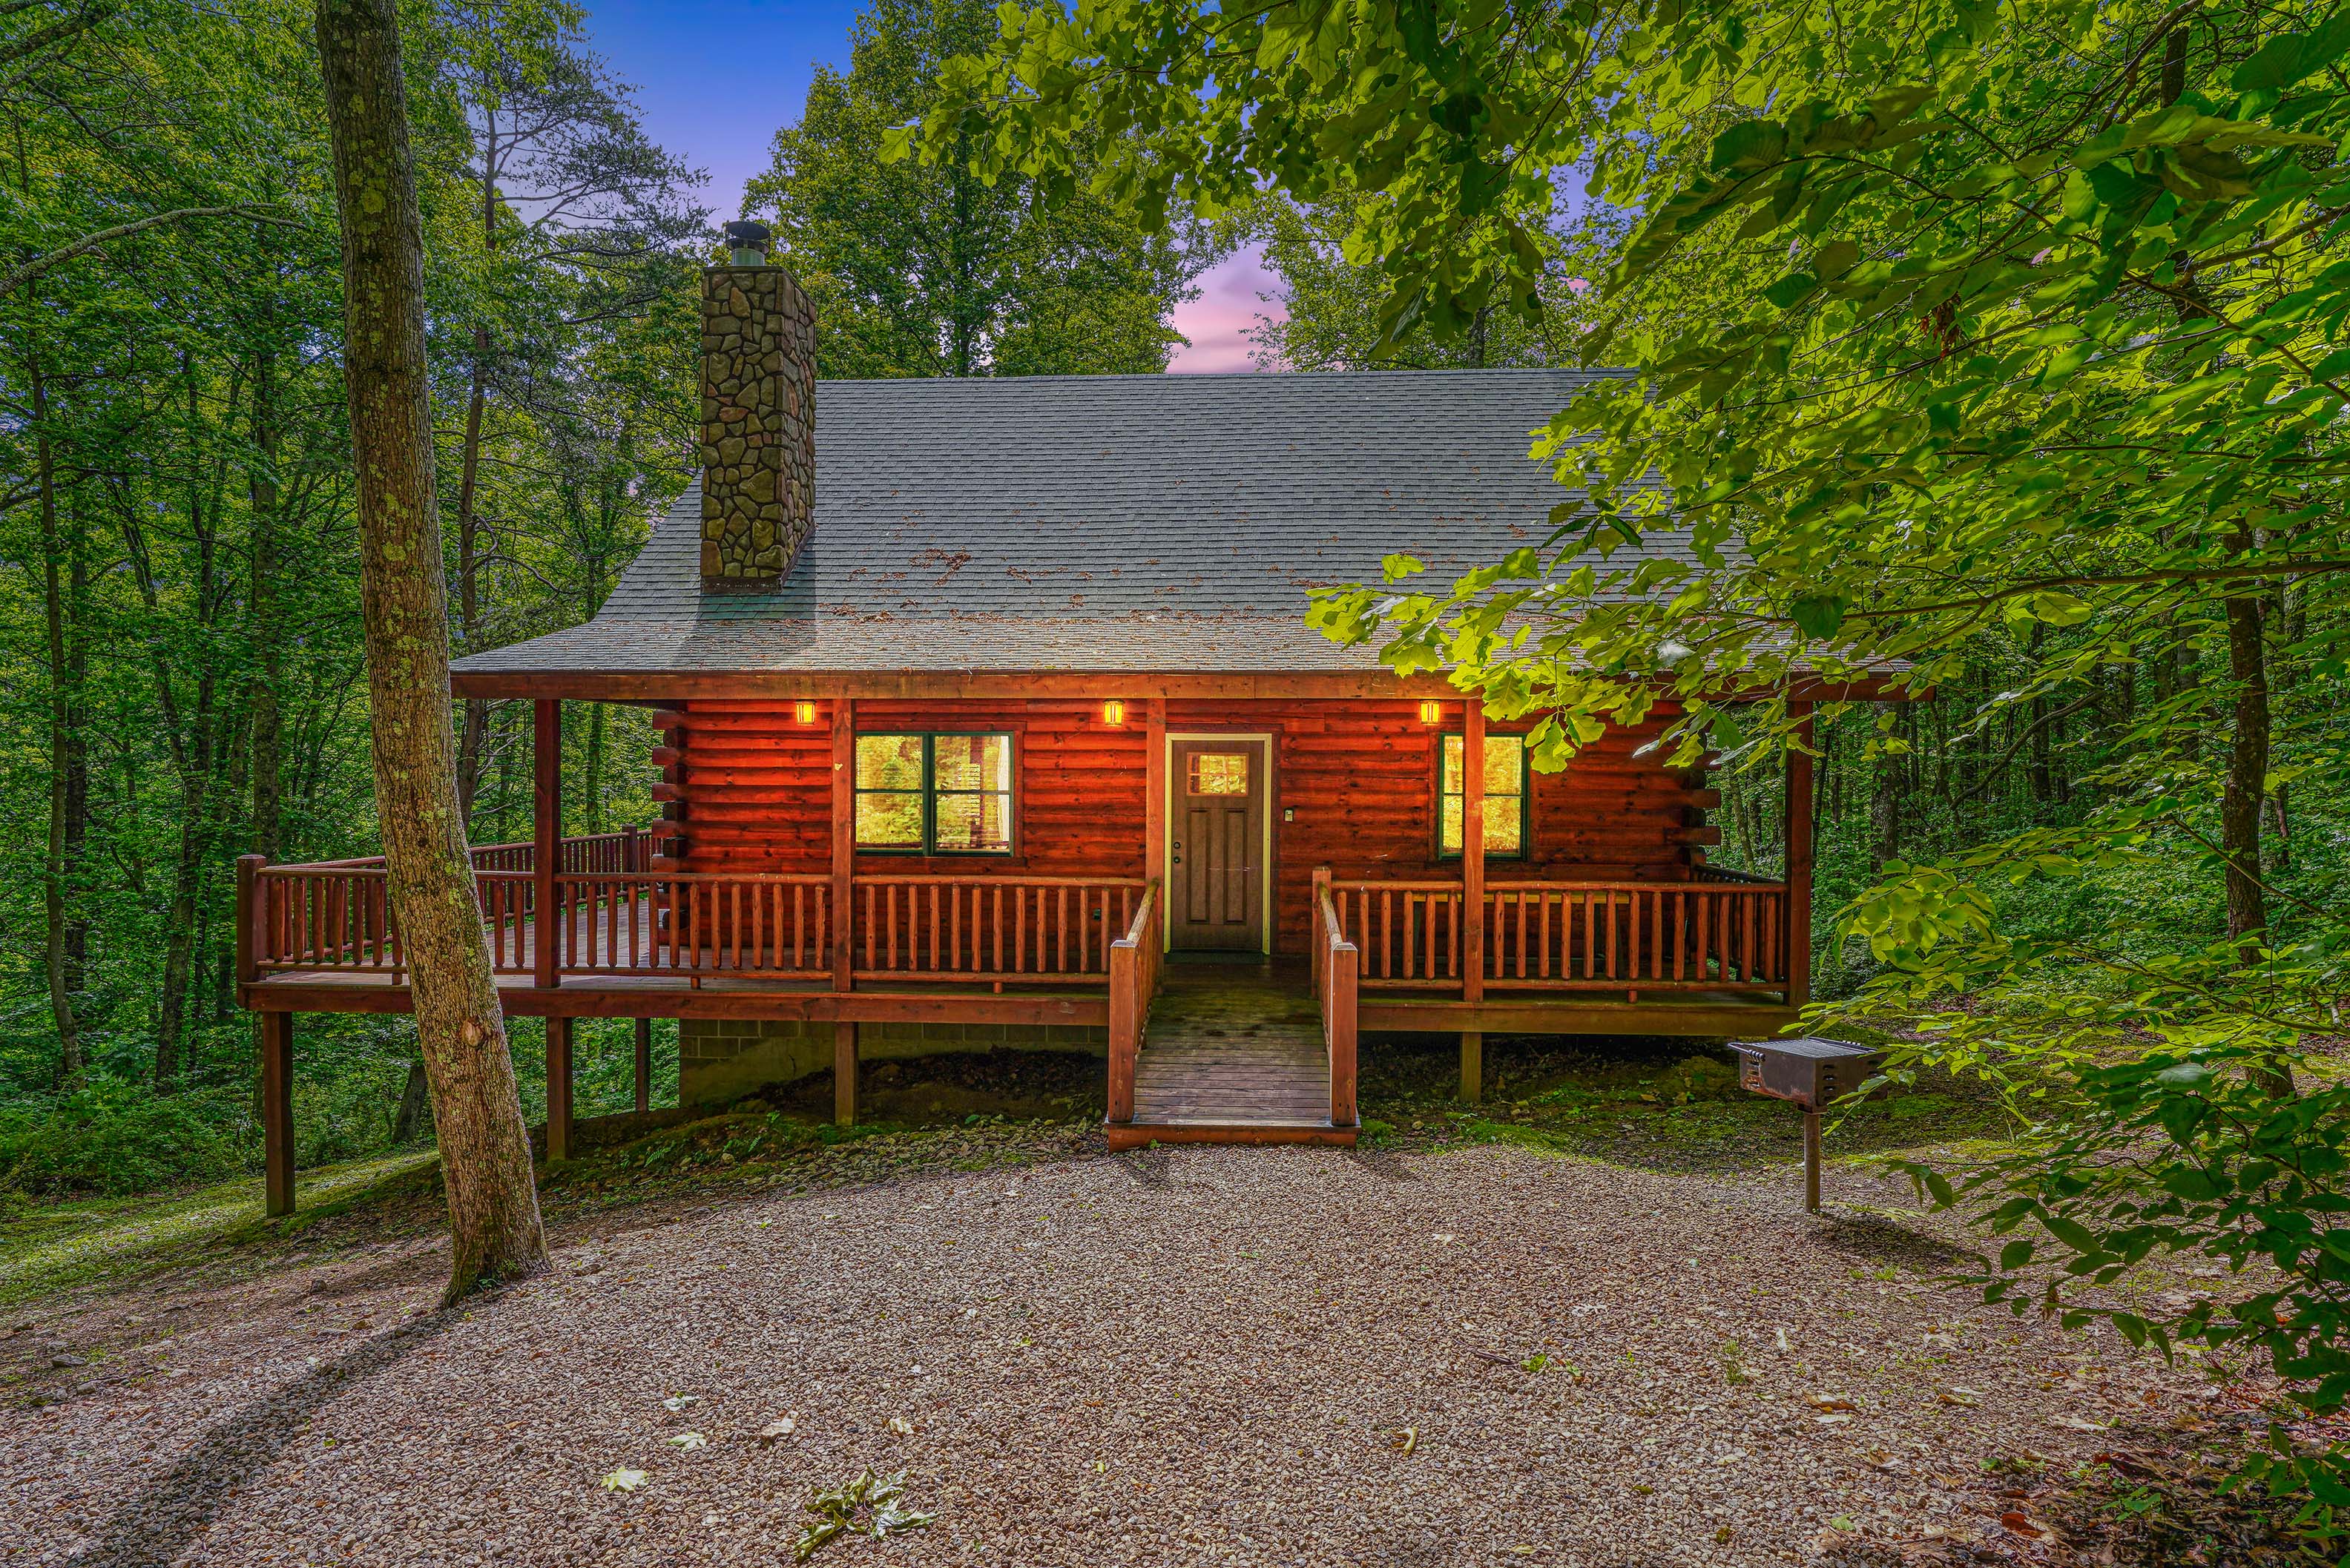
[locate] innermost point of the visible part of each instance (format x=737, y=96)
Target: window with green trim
x=934, y=793
x=1506, y=803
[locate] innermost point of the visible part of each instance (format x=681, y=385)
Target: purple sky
x=715, y=80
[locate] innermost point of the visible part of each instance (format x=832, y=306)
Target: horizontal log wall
x=753, y=786
x=1358, y=781
x=749, y=788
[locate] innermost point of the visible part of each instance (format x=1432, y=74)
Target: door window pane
x=1505, y=796
x=1218, y=773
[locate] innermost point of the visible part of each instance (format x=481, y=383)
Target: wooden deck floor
x=1233, y=1055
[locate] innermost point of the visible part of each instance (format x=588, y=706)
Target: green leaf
x=1748, y=146
x=1820, y=616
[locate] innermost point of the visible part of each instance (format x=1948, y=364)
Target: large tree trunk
x=57, y=958
x=493, y=1218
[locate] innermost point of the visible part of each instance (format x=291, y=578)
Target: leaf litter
x=869, y=1505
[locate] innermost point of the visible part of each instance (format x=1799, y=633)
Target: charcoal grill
x=1812, y=1073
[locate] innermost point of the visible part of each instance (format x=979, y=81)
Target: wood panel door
x=1215, y=850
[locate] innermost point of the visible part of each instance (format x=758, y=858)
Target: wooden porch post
x=1473, y=889
x=644, y=1063
x=844, y=839
x=1799, y=859
x=546, y=847
x=844, y=1075
x=1154, y=788
x=278, y=1112
x=558, y=1090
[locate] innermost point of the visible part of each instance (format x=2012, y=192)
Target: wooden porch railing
x=1570, y=936
x=1006, y=930
x=1134, y=961
x=614, y=916
x=676, y=922
x=1337, y=974
x=336, y=915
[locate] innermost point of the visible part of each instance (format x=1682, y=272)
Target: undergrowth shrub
x=114, y=1135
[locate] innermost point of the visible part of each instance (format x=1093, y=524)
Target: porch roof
x=1081, y=523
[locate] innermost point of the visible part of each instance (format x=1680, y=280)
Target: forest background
x=179, y=616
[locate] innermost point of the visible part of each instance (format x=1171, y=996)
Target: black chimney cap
x=747, y=234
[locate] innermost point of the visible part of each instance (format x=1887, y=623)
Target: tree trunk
x=592, y=783
x=412, y=1107
x=56, y=954
x=494, y=1219
x=269, y=738
x=2246, y=789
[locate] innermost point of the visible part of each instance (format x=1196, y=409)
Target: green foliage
x=109, y=1134
x=932, y=270
x=2185, y=1156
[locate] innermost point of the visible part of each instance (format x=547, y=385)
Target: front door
x=1215, y=850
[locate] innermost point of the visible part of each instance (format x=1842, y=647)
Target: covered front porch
x=612, y=925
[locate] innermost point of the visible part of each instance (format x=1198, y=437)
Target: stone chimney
x=758, y=418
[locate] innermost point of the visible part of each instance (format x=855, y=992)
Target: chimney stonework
x=758, y=426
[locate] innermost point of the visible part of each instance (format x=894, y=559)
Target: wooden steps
x=1233, y=1055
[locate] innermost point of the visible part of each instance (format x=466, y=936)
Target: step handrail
x=1134, y=961
x=1337, y=971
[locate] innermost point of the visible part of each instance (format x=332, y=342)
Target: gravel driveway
x=1246, y=1356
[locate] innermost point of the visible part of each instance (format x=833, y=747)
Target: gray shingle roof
x=1136, y=523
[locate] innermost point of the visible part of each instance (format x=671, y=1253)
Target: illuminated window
x=934, y=793
x=1218, y=773
x=1505, y=797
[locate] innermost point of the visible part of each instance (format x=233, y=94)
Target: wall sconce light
x=1431, y=712
x=804, y=712
x=1113, y=712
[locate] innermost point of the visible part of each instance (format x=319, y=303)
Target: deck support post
x=1798, y=839
x=558, y=1090
x=1812, y=1160
x=644, y=1063
x=277, y=1113
x=844, y=1075
x=1472, y=1066
x=1473, y=860
x=547, y=841
x=844, y=839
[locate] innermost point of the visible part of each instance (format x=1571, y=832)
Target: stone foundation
x=720, y=1060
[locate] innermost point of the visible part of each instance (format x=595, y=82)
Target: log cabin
x=989, y=715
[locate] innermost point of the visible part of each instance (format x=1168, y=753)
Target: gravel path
x=1202, y=1356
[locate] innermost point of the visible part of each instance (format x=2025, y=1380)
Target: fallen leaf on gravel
x=1405, y=1439
x=1785, y=1348
x=679, y=1401
x=1444, y=1238
x=902, y=1426
x=689, y=1440
x=1956, y=1395
x=1721, y=1537
x=1831, y=1402
x=781, y=1426
x=1832, y=1420
x=624, y=1481
x=869, y=1500
x=2078, y=1423
x=2024, y=1524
